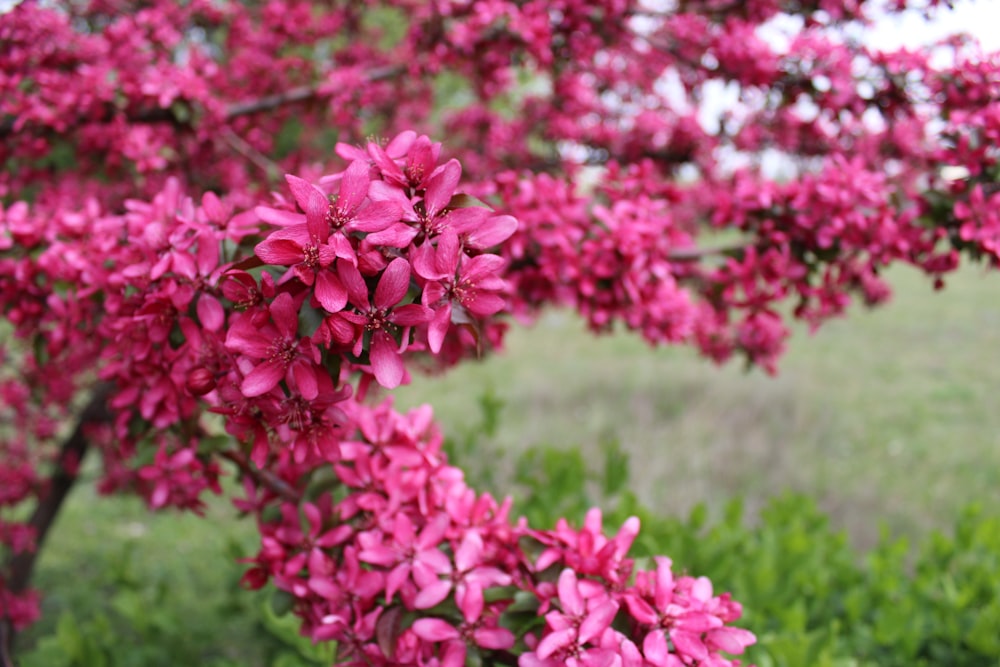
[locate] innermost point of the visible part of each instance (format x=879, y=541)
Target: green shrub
x=810, y=597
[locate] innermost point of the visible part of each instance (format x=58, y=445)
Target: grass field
x=886, y=417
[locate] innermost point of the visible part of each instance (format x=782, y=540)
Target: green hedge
x=811, y=598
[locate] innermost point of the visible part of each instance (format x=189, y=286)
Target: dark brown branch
x=695, y=254
x=19, y=567
x=235, y=110
x=263, y=477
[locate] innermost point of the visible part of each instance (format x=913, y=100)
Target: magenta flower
x=382, y=317
x=476, y=629
x=277, y=349
x=574, y=632
x=686, y=611
x=468, y=571
x=407, y=552
x=470, y=283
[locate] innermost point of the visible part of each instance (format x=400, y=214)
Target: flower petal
x=393, y=284
x=330, y=292
x=263, y=378
x=387, y=365
x=434, y=630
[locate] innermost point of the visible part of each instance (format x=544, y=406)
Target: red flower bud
x=200, y=381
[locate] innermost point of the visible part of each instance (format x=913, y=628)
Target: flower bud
x=200, y=381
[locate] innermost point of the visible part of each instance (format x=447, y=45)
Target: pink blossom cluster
x=403, y=563
x=412, y=567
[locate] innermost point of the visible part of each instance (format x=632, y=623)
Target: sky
x=981, y=18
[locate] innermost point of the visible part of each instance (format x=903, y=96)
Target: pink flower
x=573, y=633
x=381, y=317
x=407, y=553
x=476, y=629
x=277, y=349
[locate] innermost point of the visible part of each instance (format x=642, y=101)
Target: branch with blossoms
x=381, y=545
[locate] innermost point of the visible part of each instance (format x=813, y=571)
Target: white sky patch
x=979, y=18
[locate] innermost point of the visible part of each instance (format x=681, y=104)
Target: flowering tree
x=187, y=289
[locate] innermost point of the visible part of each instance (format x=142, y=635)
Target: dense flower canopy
x=201, y=234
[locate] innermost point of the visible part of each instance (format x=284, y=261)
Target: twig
x=234, y=110
x=263, y=477
x=695, y=254
x=300, y=94
x=241, y=146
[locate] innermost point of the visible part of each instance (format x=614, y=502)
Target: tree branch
x=234, y=110
x=263, y=477
x=20, y=566
x=695, y=254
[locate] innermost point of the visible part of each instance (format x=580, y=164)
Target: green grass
x=885, y=417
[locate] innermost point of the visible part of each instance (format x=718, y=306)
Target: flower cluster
x=402, y=563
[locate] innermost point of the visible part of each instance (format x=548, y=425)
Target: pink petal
x=311, y=200
x=279, y=217
x=422, y=259
x=555, y=641
x=471, y=604
x=263, y=378
x=210, y=312
x=640, y=610
x=569, y=594
x=279, y=252
x=469, y=552
x=397, y=235
x=353, y=187
x=494, y=638
x=378, y=555
x=208, y=254
x=495, y=231
x=285, y=314
x=393, y=284
x=330, y=292
x=441, y=187
x=400, y=144
x=395, y=580
x=375, y=217
x=731, y=640
x=213, y=208
x=386, y=363
x=446, y=257
x=301, y=190
x=305, y=380
x=432, y=595
x=411, y=315
x=434, y=630
x=439, y=328
x=324, y=588
x=597, y=621
x=483, y=303
x=688, y=644
x=390, y=170
x=357, y=290
x=655, y=648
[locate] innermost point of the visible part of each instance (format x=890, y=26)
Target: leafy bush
x=811, y=597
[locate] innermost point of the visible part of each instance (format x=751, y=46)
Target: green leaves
x=811, y=598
